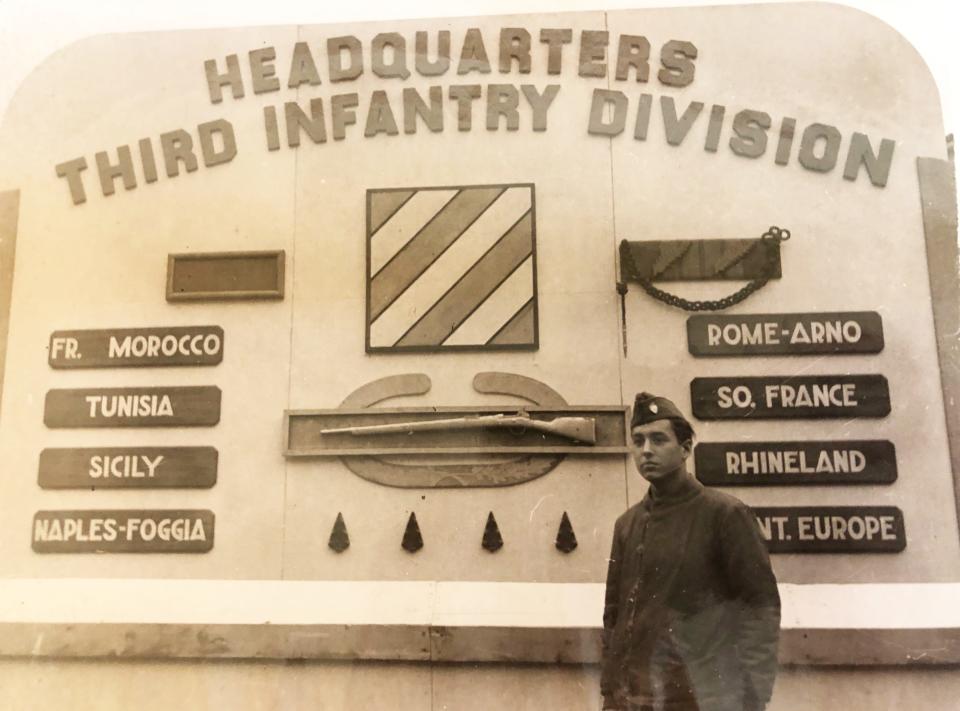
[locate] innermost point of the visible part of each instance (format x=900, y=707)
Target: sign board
x=790, y=397
x=123, y=531
x=134, y=347
x=785, y=334
x=128, y=467
x=797, y=462
x=226, y=275
x=832, y=529
x=133, y=407
x=455, y=193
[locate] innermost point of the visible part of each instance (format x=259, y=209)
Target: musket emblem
x=455, y=446
x=577, y=429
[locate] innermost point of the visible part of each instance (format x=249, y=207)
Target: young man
x=692, y=612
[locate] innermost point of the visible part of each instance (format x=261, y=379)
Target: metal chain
x=770, y=241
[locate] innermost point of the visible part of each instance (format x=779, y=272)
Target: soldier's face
x=656, y=451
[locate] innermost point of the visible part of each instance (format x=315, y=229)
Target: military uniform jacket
x=692, y=608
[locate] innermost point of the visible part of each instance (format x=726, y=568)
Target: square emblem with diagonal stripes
x=452, y=268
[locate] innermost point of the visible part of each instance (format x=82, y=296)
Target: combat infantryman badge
x=455, y=446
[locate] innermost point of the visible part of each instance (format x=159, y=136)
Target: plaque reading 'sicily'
x=128, y=468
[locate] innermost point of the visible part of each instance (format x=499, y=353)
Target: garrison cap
x=648, y=408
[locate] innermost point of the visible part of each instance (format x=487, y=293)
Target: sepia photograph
x=461, y=356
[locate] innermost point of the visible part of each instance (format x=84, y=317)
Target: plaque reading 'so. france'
x=832, y=529
x=136, y=347
x=128, y=468
x=785, y=334
x=787, y=463
x=133, y=407
x=790, y=397
x=123, y=531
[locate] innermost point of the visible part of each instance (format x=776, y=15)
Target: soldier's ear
x=687, y=447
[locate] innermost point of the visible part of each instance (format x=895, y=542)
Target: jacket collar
x=688, y=489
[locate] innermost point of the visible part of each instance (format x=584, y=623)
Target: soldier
x=692, y=612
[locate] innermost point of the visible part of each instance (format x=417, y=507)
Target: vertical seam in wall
x=433, y=695
x=621, y=326
x=431, y=660
x=290, y=356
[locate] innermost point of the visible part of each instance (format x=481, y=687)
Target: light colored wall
x=102, y=265
x=248, y=686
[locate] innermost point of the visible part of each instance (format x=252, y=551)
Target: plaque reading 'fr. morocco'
x=790, y=397
x=786, y=463
x=128, y=468
x=133, y=407
x=832, y=529
x=123, y=531
x=136, y=347
x=785, y=334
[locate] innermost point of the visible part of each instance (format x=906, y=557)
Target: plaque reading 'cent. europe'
x=785, y=334
x=790, y=397
x=128, y=468
x=786, y=463
x=832, y=529
x=136, y=347
x=190, y=406
x=123, y=531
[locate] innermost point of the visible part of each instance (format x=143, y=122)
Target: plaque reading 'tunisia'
x=133, y=407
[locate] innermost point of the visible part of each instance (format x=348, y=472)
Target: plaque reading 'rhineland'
x=123, y=531
x=790, y=396
x=785, y=334
x=128, y=468
x=133, y=347
x=133, y=407
x=832, y=529
x=778, y=463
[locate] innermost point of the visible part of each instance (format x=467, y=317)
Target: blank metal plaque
x=225, y=275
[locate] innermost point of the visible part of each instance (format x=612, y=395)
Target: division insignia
x=451, y=269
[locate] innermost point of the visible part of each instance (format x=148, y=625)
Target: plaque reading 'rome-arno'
x=832, y=529
x=123, y=531
x=785, y=334
x=787, y=463
x=128, y=468
x=189, y=406
x=136, y=347
x=790, y=397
